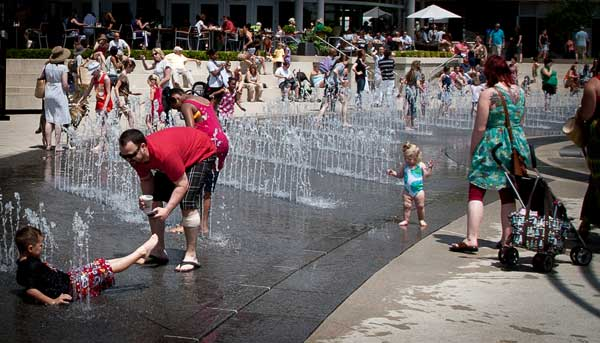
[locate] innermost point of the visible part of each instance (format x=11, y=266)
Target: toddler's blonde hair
x=411, y=150
x=153, y=77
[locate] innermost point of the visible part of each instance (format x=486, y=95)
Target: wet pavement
x=272, y=270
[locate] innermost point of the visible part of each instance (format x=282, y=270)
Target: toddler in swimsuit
x=413, y=172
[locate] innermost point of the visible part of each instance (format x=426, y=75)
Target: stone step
x=22, y=97
x=21, y=101
x=137, y=80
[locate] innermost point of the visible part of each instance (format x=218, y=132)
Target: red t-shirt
x=174, y=150
x=228, y=26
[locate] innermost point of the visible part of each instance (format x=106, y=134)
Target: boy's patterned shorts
x=91, y=279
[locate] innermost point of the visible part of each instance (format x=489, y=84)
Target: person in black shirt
x=360, y=75
x=51, y=286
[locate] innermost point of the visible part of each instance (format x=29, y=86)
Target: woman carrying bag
x=56, y=103
x=502, y=98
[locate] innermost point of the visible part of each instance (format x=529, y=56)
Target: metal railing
x=438, y=69
x=331, y=46
x=353, y=48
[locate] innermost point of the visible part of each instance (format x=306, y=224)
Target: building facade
x=477, y=15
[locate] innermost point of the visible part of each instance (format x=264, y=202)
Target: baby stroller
x=541, y=225
x=305, y=91
x=199, y=89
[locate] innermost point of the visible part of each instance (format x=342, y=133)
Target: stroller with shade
x=541, y=225
x=306, y=89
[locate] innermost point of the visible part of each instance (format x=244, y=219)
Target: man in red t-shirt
x=228, y=25
x=183, y=160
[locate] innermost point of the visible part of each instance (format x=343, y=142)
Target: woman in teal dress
x=489, y=130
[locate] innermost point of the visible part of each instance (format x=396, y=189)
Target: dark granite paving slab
x=250, y=327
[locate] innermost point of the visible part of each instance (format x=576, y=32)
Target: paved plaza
x=274, y=270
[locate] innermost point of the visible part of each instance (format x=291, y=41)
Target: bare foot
x=422, y=224
x=187, y=264
x=403, y=223
x=147, y=247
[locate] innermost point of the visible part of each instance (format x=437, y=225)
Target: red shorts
x=477, y=193
x=91, y=279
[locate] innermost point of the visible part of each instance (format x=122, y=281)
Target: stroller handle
x=533, y=158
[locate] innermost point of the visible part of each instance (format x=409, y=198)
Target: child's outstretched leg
x=120, y=264
x=407, y=199
x=420, y=202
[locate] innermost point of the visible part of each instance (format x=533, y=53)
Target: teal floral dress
x=484, y=172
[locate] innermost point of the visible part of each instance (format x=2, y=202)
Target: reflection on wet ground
x=272, y=270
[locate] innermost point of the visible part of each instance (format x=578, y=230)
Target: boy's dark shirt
x=33, y=273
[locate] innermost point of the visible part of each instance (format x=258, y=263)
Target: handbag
x=40, y=86
x=574, y=129
x=518, y=167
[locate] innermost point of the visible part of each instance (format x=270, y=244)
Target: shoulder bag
x=40, y=85
x=517, y=164
x=574, y=129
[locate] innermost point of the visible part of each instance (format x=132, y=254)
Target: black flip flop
x=463, y=247
x=155, y=260
x=195, y=265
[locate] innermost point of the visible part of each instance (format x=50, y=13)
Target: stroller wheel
x=508, y=256
x=581, y=256
x=501, y=256
x=543, y=262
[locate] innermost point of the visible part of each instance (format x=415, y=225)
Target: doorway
x=237, y=13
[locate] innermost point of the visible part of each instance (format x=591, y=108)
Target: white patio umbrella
x=433, y=12
x=375, y=12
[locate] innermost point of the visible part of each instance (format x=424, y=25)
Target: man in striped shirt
x=386, y=67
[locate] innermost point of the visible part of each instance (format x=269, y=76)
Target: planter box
x=306, y=49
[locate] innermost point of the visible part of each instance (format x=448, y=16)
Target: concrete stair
x=22, y=74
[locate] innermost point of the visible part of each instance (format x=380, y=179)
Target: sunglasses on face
x=129, y=157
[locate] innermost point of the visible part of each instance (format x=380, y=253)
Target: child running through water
x=154, y=118
x=413, y=172
x=51, y=286
x=228, y=101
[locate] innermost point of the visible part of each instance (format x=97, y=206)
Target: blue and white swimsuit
x=413, y=180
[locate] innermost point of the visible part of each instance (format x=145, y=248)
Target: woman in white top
x=200, y=26
x=163, y=70
x=56, y=103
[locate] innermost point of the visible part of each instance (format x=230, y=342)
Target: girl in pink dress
x=199, y=113
x=228, y=101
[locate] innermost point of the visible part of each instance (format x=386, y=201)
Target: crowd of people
x=187, y=160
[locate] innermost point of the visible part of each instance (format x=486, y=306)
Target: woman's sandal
x=463, y=247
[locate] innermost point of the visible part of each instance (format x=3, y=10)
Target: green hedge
x=423, y=53
x=44, y=53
